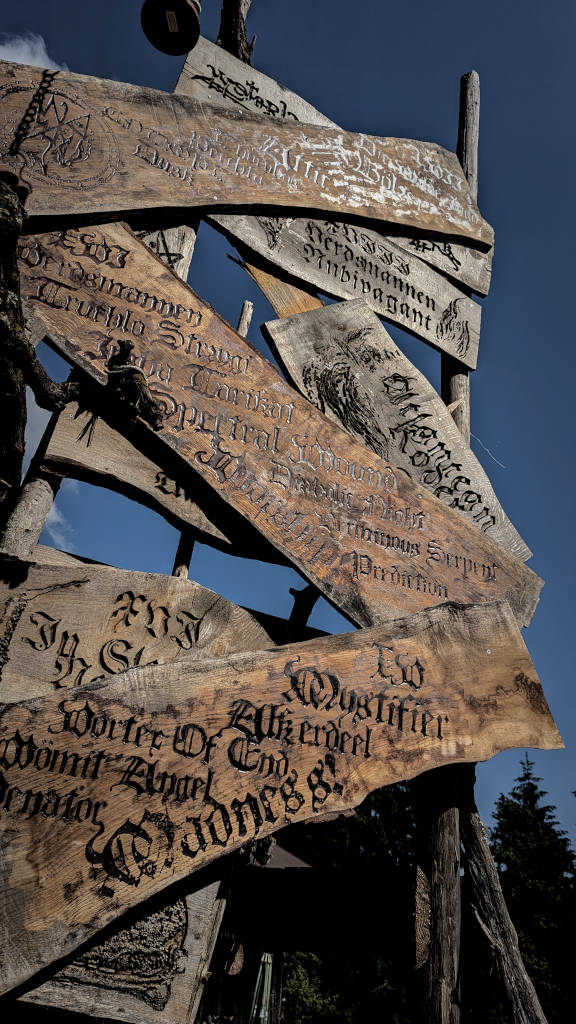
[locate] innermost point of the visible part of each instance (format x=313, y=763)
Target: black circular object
x=172, y=26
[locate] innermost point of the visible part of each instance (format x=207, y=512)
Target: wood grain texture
x=84, y=145
x=346, y=262
x=344, y=361
x=151, y=971
x=212, y=75
x=63, y=626
x=285, y=298
x=126, y=786
x=356, y=527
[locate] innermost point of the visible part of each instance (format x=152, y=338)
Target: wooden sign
x=64, y=626
x=344, y=361
x=110, y=793
x=362, y=531
x=84, y=446
x=212, y=75
x=85, y=145
x=348, y=262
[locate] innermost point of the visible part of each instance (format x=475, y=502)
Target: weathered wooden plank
x=212, y=75
x=149, y=971
x=85, y=145
x=357, y=528
x=343, y=360
x=347, y=262
x=70, y=625
x=84, y=445
x=183, y=762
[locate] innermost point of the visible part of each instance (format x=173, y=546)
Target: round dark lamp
x=172, y=26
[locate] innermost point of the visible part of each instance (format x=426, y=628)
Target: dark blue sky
x=394, y=69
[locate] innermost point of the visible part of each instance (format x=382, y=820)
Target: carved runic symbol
x=67, y=140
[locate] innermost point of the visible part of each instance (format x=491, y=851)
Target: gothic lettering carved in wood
x=111, y=792
x=147, y=972
x=357, y=527
x=343, y=360
x=84, y=446
x=61, y=627
x=214, y=76
x=86, y=145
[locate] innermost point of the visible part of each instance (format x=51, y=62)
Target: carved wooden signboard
x=362, y=531
x=348, y=262
x=150, y=971
x=211, y=74
x=125, y=786
x=346, y=363
x=85, y=446
x=61, y=627
x=87, y=145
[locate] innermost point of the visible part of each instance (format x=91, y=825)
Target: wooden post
x=441, y=787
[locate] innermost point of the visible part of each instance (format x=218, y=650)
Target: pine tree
x=537, y=869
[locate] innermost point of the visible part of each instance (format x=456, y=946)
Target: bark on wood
x=343, y=360
x=216, y=77
x=321, y=168
x=198, y=722
x=233, y=418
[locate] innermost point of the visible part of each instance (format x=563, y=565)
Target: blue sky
x=394, y=70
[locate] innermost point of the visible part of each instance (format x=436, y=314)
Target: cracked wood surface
x=85, y=145
x=365, y=534
x=124, y=786
x=344, y=361
x=212, y=75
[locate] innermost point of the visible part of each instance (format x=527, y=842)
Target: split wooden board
x=342, y=359
x=360, y=530
x=85, y=145
x=113, y=791
x=213, y=75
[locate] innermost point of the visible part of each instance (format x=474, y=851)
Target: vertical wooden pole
x=440, y=791
x=455, y=387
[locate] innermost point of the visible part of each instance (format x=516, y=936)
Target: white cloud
x=58, y=528
x=29, y=48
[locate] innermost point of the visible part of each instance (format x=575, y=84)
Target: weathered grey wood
x=130, y=149
x=184, y=762
x=85, y=447
x=324, y=501
x=493, y=918
x=68, y=626
x=173, y=245
x=348, y=262
x=245, y=318
x=210, y=74
x=148, y=973
x=29, y=515
x=343, y=360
